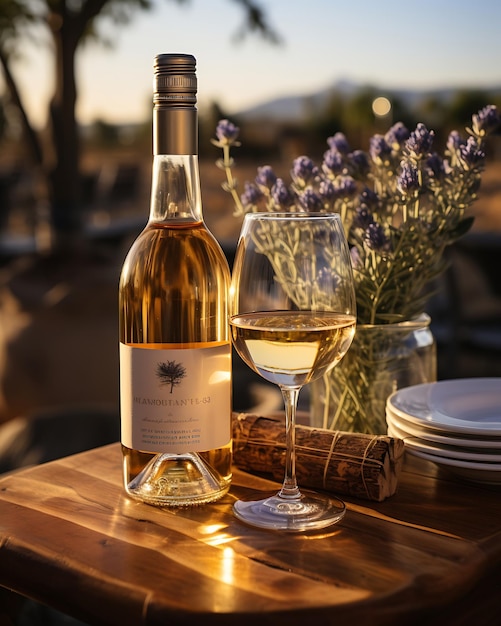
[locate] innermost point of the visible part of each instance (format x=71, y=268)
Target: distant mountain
x=295, y=107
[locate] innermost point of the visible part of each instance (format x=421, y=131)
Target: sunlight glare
x=381, y=106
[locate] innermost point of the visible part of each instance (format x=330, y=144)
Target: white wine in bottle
x=175, y=354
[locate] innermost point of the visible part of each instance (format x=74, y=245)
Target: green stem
x=339, y=407
x=379, y=289
x=232, y=186
x=386, y=277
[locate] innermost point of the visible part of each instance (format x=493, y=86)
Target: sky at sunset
x=433, y=43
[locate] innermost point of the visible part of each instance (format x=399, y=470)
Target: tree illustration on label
x=171, y=373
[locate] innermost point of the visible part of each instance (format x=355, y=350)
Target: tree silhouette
x=70, y=24
x=171, y=373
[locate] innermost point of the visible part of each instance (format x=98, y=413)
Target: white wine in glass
x=292, y=318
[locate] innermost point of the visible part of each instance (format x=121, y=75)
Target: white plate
x=489, y=473
x=443, y=437
x=446, y=451
x=469, y=405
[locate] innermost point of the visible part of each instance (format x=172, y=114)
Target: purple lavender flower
x=397, y=135
x=486, y=120
x=266, y=177
x=328, y=280
x=346, y=187
x=356, y=259
x=408, y=179
x=327, y=190
x=369, y=198
x=420, y=141
x=311, y=201
x=227, y=132
x=282, y=196
x=471, y=154
x=379, y=150
x=303, y=171
x=333, y=162
x=339, y=142
x=435, y=166
x=359, y=163
x=362, y=217
x=454, y=141
x=251, y=195
x=376, y=239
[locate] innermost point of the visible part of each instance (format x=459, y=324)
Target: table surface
x=70, y=538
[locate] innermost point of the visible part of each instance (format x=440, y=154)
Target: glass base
x=310, y=511
x=176, y=480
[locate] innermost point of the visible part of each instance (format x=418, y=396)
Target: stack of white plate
x=454, y=423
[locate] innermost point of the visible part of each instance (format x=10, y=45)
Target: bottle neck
x=175, y=130
x=175, y=192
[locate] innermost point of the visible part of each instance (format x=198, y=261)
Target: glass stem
x=290, y=489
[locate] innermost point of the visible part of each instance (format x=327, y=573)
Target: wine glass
x=292, y=318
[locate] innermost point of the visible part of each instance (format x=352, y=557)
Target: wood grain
x=69, y=537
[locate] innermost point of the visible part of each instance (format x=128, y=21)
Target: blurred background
x=75, y=165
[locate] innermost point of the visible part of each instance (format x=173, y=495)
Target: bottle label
x=175, y=400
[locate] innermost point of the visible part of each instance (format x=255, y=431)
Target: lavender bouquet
x=402, y=203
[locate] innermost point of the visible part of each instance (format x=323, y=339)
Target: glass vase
x=382, y=358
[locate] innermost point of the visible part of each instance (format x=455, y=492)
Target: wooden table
x=70, y=538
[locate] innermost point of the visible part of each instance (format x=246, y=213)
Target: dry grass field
x=487, y=209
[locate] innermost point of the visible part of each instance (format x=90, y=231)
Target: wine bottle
x=175, y=354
